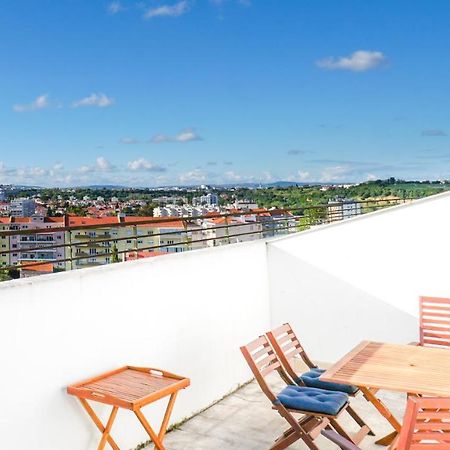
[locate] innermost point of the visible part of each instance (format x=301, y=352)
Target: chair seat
x=312, y=399
x=311, y=379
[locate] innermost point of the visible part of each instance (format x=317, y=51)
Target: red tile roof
x=44, y=267
x=131, y=256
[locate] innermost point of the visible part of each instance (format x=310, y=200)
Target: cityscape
x=119, y=225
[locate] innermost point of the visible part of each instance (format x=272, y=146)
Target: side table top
x=129, y=387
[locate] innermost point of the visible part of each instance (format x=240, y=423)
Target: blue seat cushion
x=312, y=399
x=311, y=379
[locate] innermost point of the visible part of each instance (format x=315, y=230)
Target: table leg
x=98, y=423
x=108, y=427
x=384, y=411
x=165, y=422
x=153, y=436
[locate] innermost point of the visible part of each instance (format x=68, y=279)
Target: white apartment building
x=208, y=199
x=183, y=211
x=22, y=207
x=230, y=230
x=243, y=204
x=31, y=247
x=343, y=208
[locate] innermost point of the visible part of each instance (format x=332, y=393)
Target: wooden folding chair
x=426, y=425
x=288, y=347
x=434, y=317
x=263, y=361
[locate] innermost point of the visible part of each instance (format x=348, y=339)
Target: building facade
x=343, y=208
x=22, y=207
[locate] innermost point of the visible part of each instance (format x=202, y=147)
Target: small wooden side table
x=129, y=388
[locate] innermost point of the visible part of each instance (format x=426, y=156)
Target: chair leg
x=355, y=416
x=337, y=427
x=287, y=441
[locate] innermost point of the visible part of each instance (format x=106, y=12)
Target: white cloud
x=100, y=100
x=103, y=164
x=230, y=175
x=86, y=169
x=142, y=164
x=115, y=7
x=40, y=102
x=175, y=10
x=128, y=141
x=196, y=176
x=358, y=61
x=335, y=173
x=267, y=177
x=304, y=175
x=187, y=135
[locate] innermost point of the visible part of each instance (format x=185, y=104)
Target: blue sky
x=163, y=92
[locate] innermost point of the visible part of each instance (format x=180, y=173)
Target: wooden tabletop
x=129, y=387
x=404, y=368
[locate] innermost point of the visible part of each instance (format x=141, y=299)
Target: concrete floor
x=245, y=421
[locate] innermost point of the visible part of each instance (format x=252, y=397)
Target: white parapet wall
x=185, y=313
x=360, y=279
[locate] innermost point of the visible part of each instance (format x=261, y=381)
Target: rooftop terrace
x=245, y=421
x=189, y=313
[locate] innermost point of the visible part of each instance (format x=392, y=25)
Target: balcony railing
x=198, y=232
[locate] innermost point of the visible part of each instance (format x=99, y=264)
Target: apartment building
x=208, y=199
x=22, y=207
x=343, y=208
x=229, y=230
x=108, y=241
x=275, y=222
x=183, y=211
x=32, y=247
x=4, y=242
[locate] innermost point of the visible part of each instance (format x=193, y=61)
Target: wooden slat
x=270, y=368
x=281, y=329
x=256, y=344
x=128, y=387
x=403, y=368
x=427, y=300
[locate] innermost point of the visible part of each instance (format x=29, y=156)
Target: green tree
x=115, y=254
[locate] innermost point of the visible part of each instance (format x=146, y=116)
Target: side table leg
x=153, y=436
x=98, y=422
x=165, y=422
x=109, y=425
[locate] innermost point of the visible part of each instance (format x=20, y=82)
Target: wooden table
x=129, y=388
x=403, y=368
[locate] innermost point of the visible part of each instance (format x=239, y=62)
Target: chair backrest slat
x=287, y=347
x=262, y=360
x=426, y=424
x=434, y=321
